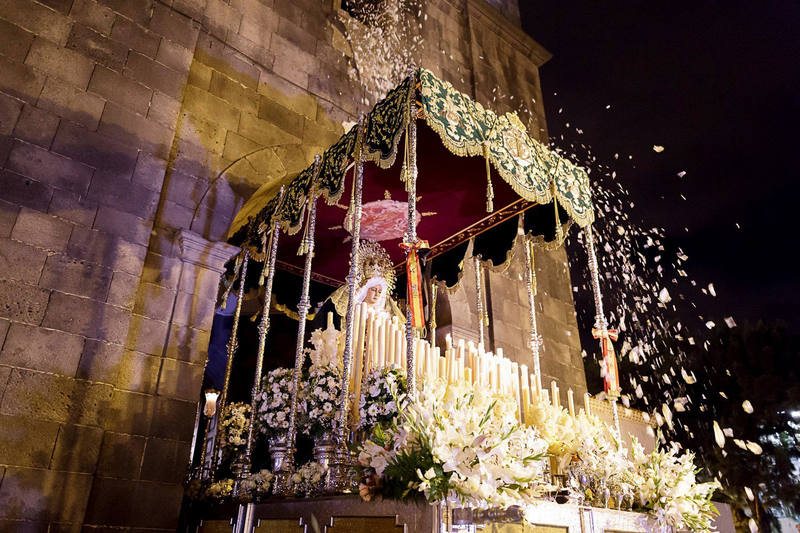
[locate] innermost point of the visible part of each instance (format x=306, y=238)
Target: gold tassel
x=559, y=231
x=489, y=188
x=267, y=250
x=304, y=243
x=405, y=173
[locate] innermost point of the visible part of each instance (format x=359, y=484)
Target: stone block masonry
x=130, y=134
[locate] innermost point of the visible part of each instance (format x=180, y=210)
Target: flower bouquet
x=235, y=419
x=307, y=480
x=670, y=491
x=320, y=401
x=455, y=443
x=274, y=401
x=257, y=484
x=383, y=389
x=322, y=390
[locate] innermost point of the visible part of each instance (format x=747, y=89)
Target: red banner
x=414, y=284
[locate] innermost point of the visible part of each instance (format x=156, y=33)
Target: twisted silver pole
x=411, y=238
x=263, y=329
x=352, y=282
x=233, y=345
x=302, y=311
x=535, y=338
x=600, y=322
x=479, y=299
x=599, y=317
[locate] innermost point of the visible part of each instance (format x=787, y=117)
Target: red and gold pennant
x=610, y=370
x=414, y=283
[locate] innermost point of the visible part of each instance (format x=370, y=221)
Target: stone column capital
x=200, y=251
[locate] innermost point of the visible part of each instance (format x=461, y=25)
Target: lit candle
x=468, y=375
x=545, y=396
x=586, y=404
x=571, y=401
x=448, y=341
x=442, y=367
x=330, y=320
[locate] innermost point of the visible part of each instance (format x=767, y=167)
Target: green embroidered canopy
x=460, y=146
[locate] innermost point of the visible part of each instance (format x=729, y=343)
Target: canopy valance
x=462, y=147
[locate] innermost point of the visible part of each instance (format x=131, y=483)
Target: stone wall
x=130, y=134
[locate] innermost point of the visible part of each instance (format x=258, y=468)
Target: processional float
x=471, y=166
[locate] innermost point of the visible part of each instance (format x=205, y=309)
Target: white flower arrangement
x=220, y=490
x=275, y=402
x=328, y=348
x=320, y=400
x=235, y=419
x=458, y=442
x=669, y=489
x=307, y=479
x=555, y=426
x=602, y=457
x=258, y=483
x=383, y=389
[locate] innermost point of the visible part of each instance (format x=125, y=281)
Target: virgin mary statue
x=375, y=284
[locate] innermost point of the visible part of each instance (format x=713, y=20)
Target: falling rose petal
x=710, y=324
x=730, y=322
x=711, y=289
x=747, y=406
x=740, y=443
x=749, y=493
x=689, y=379
x=719, y=437
x=663, y=296
x=682, y=173
x=754, y=447
x=728, y=432
x=658, y=148
x=752, y=525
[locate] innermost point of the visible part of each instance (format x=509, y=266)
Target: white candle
x=586, y=404
x=571, y=401
x=554, y=392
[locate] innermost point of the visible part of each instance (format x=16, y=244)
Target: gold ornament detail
x=374, y=261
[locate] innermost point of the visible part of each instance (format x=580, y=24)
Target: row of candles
x=379, y=341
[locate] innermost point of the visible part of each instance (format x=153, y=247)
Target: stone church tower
x=131, y=131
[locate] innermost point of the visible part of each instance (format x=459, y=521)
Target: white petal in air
x=747, y=406
x=754, y=447
x=718, y=435
x=658, y=148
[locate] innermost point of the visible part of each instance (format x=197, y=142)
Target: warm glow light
x=211, y=402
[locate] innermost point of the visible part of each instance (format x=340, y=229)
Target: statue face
x=373, y=295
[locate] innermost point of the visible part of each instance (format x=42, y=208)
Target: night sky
x=718, y=85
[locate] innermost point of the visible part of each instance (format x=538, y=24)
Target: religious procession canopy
x=476, y=170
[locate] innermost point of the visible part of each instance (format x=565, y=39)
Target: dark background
x=716, y=84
